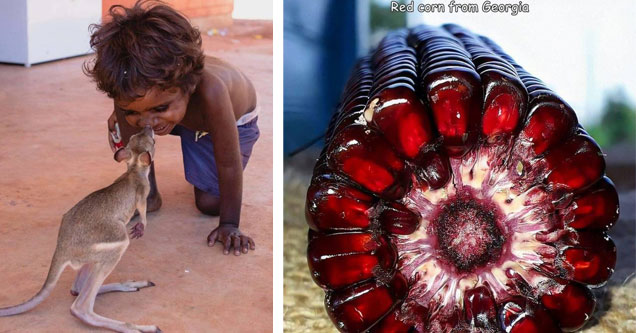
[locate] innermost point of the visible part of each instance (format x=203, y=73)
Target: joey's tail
x=57, y=266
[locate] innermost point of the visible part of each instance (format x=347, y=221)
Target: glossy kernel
x=592, y=259
x=338, y=260
x=358, y=307
x=334, y=205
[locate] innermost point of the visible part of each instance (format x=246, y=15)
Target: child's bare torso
x=241, y=92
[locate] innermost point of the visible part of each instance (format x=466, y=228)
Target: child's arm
x=219, y=117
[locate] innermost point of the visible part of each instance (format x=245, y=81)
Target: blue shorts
x=198, y=154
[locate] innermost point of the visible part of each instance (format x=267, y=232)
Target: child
x=149, y=61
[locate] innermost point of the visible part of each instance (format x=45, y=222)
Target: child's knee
x=207, y=203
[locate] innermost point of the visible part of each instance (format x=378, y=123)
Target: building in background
x=206, y=14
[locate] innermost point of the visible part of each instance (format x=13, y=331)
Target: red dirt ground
x=53, y=152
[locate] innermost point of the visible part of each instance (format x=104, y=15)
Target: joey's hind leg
x=79, y=279
x=82, y=308
x=127, y=286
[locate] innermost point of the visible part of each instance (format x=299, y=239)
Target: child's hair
x=143, y=47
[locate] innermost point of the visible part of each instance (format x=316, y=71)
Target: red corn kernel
x=357, y=151
x=571, y=306
x=357, y=308
x=338, y=260
x=592, y=259
x=596, y=208
x=575, y=164
x=549, y=122
x=397, y=219
x=400, y=116
x=455, y=99
x=334, y=205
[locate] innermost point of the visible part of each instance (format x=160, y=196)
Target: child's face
x=159, y=109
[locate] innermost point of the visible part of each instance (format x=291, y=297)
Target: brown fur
x=93, y=236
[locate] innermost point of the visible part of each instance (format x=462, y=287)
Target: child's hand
x=231, y=237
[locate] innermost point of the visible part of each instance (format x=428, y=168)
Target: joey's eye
x=128, y=113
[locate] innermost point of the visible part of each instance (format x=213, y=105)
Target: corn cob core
x=457, y=192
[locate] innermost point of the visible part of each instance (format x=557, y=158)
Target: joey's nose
x=148, y=131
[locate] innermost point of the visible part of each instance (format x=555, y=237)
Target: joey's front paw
x=137, y=231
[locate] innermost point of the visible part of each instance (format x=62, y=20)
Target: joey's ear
x=122, y=155
x=145, y=158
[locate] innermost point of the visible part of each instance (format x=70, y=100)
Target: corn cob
x=457, y=192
